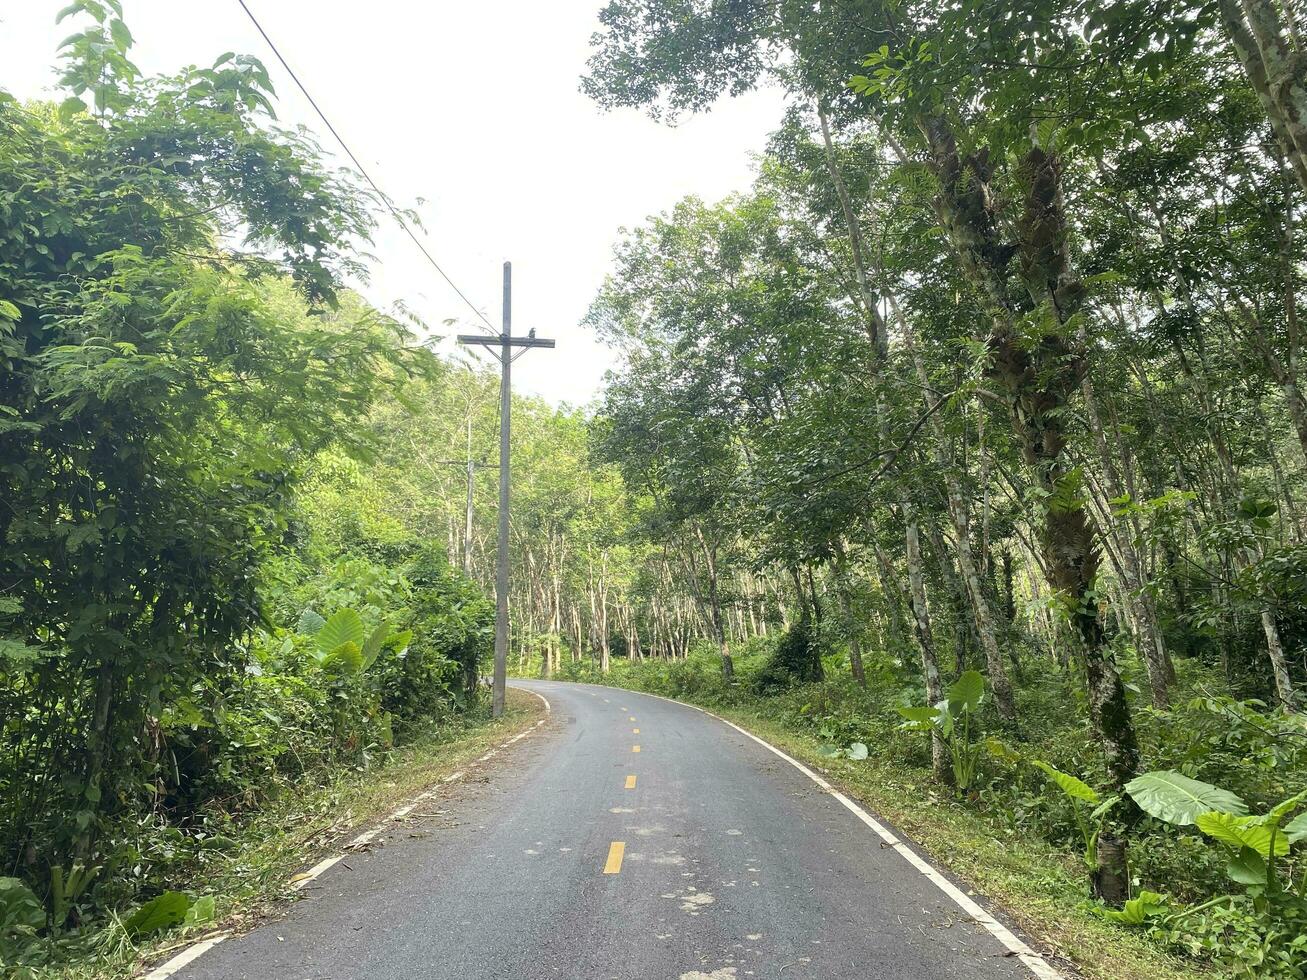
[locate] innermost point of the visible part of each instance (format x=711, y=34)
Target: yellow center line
x=633, y=717
x=635, y=748
x=630, y=782
x=614, y=863
x=635, y=731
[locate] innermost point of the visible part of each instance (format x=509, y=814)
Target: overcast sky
x=474, y=108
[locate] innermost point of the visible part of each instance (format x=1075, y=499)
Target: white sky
x=473, y=107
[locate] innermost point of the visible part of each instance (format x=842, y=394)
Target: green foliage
x=159, y=913
x=21, y=912
x=344, y=628
x=161, y=396
x=797, y=658
x=1035, y=203
x=1254, y=845
x=1175, y=798
x=1082, y=795
x=856, y=752
x=183, y=379
x=1138, y=910
x=952, y=720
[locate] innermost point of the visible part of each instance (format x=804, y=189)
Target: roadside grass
x=251, y=881
x=1037, y=886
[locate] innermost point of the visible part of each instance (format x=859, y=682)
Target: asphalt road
x=701, y=856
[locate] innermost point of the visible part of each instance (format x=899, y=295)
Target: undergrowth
x=1013, y=833
x=248, y=878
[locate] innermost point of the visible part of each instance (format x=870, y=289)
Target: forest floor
x=1041, y=889
x=254, y=881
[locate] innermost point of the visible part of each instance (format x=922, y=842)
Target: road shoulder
x=305, y=837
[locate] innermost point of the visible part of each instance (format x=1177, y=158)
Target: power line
x=489, y=327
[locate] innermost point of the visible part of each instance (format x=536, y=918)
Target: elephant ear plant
x=1255, y=844
x=344, y=648
x=952, y=718
x=1084, y=797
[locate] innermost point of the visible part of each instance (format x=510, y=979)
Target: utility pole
x=505, y=342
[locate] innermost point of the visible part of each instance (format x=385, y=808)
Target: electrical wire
x=489, y=327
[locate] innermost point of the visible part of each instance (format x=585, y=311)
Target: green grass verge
x=1040, y=888
x=251, y=881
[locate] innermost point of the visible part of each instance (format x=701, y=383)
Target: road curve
x=717, y=861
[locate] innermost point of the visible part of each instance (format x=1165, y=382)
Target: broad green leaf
x=944, y=719
x=375, y=641
x=399, y=641
x=20, y=910
x=345, y=660
x=858, y=751
x=157, y=914
x=999, y=749
x=1241, y=832
x=1177, y=799
x=1247, y=867
x=343, y=627
x=201, y=912
x=920, y=714
x=1138, y=910
x=1296, y=829
x=1070, y=785
x=967, y=691
x=122, y=37
x=310, y=622
x=70, y=107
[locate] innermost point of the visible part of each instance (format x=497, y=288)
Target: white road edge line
x=165, y=970
x=364, y=838
x=1037, y=965
x=316, y=870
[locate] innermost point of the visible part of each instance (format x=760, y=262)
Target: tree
x=161, y=393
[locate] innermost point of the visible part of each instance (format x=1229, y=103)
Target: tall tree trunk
x=715, y=606
x=866, y=297
x=1275, y=69
x=929, y=659
x=1147, y=632
x=846, y=610
x=959, y=607
x=971, y=575
x=1279, y=665
x=984, y=619
x=1039, y=376
x=891, y=590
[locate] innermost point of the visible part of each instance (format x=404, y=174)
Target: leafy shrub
x=1268, y=942
x=797, y=658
